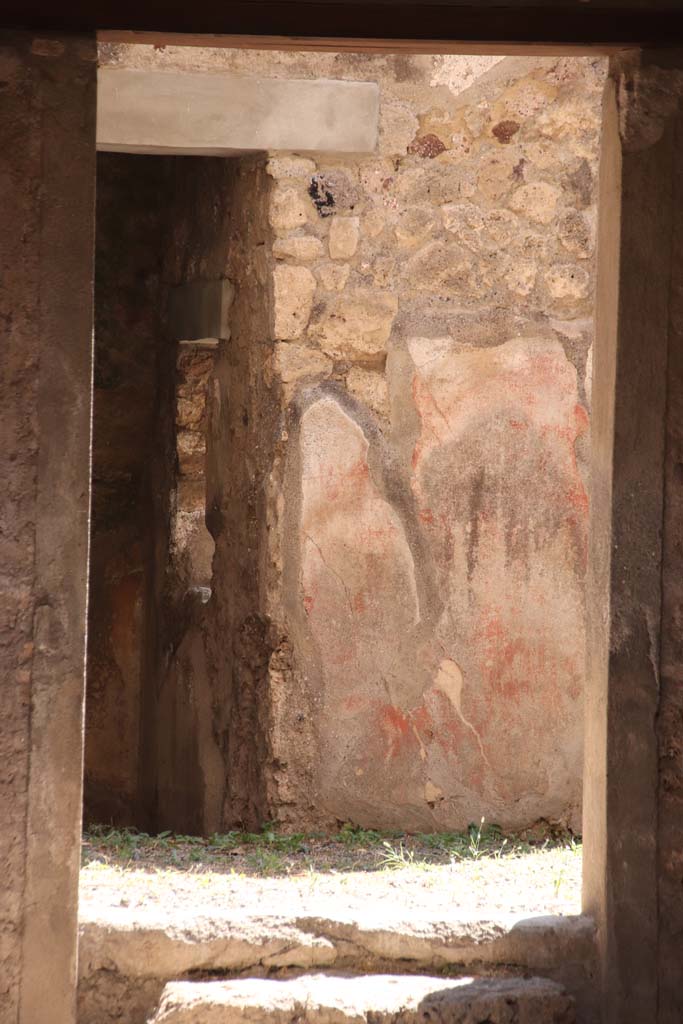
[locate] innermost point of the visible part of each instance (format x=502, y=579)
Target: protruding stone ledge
x=199, y=312
x=149, y=942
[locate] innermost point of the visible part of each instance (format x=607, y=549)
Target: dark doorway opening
x=132, y=475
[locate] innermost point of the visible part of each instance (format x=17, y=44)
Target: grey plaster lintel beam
x=210, y=114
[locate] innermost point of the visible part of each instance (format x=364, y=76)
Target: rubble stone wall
x=415, y=452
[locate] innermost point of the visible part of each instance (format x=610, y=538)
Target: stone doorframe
x=53, y=301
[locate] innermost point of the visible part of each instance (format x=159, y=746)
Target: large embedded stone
x=440, y=181
x=343, y=240
x=333, y=276
x=294, y=288
x=439, y=266
x=523, y=100
x=288, y=210
x=466, y=221
x=287, y=166
x=296, y=362
x=576, y=232
x=355, y=324
x=298, y=247
x=521, y=278
x=537, y=201
x=496, y=174
x=567, y=284
x=398, y=124
x=374, y=222
x=334, y=190
x=416, y=225
x=370, y=388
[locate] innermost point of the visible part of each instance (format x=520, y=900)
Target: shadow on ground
x=351, y=849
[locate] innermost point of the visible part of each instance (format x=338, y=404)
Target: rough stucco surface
x=47, y=174
x=410, y=460
x=473, y=608
x=19, y=449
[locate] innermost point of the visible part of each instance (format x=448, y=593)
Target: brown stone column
x=670, y=716
x=47, y=184
x=627, y=558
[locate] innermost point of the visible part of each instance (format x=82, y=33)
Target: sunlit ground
x=481, y=871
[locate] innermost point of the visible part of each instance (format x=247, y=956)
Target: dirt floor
x=480, y=870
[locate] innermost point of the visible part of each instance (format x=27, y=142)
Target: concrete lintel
x=214, y=115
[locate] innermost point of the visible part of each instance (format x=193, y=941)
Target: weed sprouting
x=398, y=857
x=266, y=861
x=475, y=832
x=354, y=835
x=353, y=848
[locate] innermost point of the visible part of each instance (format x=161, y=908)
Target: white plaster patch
x=425, y=350
x=460, y=72
x=449, y=680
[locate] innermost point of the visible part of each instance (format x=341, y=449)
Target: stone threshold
x=128, y=954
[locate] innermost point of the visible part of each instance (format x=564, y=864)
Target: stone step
x=367, y=999
x=146, y=942
x=128, y=954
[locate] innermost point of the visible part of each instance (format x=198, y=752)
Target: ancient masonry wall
x=396, y=453
x=211, y=712
x=434, y=352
